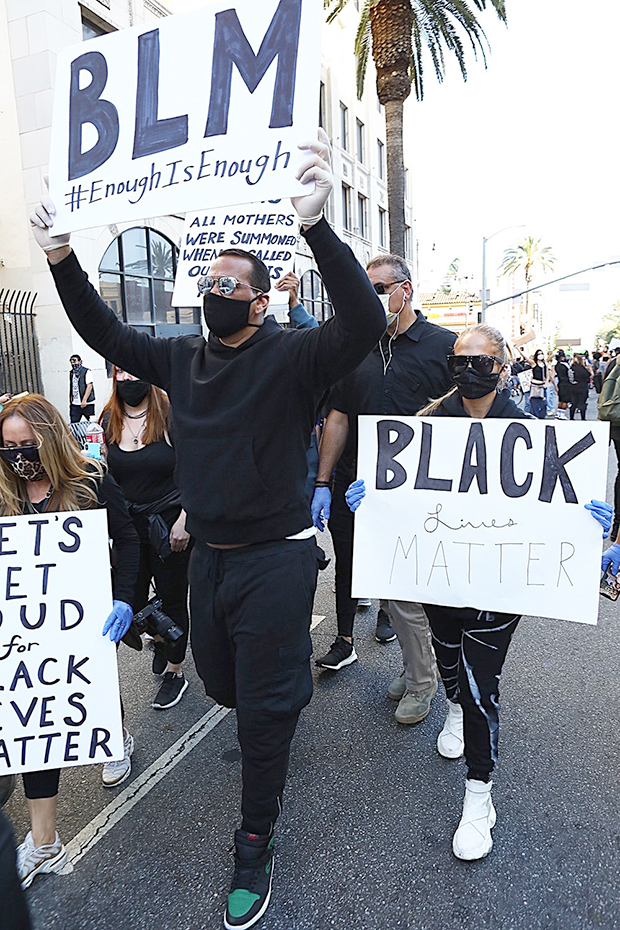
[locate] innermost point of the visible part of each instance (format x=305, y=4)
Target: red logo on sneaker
x=252, y=836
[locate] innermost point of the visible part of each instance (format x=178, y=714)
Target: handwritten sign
x=268, y=230
x=59, y=701
x=486, y=514
x=151, y=121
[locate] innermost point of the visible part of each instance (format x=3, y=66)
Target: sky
x=531, y=140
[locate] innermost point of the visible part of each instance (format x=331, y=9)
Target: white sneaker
x=472, y=839
x=113, y=773
x=37, y=860
x=450, y=743
x=363, y=602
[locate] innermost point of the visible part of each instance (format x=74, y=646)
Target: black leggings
x=170, y=577
x=471, y=646
x=341, y=529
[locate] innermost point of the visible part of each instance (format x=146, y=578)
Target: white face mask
x=385, y=300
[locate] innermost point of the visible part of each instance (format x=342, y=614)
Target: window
x=344, y=127
x=380, y=159
x=407, y=197
x=322, y=105
x=382, y=228
x=359, y=126
x=136, y=279
x=314, y=296
x=91, y=30
x=408, y=242
x=346, y=207
x=362, y=215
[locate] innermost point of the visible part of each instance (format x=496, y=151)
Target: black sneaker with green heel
x=250, y=890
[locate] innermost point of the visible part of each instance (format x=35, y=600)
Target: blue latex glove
x=603, y=512
x=119, y=621
x=321, y=504
x=611, y=557
x=355, y=494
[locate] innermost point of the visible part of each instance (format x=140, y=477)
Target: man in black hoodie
x=244, y=404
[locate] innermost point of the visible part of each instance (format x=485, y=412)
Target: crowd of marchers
x=218, y=460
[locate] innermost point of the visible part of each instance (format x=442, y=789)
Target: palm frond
x=362, y=47
x=336, y=7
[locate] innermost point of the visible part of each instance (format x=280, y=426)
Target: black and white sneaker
x=341, y=653
x=250, y=891
x=385, y=632
x=172, y=689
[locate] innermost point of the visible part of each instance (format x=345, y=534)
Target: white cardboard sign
x=59, y=701
x=155, y=119
x=481, y=513
x=268, y=230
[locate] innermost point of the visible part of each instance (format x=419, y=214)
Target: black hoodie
x=243, y=417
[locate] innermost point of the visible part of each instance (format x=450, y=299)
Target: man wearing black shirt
x=406, y=369
x=244, y=404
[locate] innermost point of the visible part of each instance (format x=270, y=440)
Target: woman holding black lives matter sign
x=471, y=644
x=43, y=471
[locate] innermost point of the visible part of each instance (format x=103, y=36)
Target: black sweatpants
x=341, y=529
x=251, y=611
x=170, y=577
x=471, y=646
x=616, y=523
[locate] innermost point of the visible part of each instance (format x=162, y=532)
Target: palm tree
x=527, y=256
x=399, y=33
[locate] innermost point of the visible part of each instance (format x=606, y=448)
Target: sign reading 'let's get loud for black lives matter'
x=59, y=696
x=205, y=109
x=481, y=513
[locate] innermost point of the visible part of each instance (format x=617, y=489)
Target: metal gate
x=20, y=368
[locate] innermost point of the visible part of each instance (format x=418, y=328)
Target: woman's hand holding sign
x=355, y=494
x=603, y=512
x=316, y=168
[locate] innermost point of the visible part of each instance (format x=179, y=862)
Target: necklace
x=136, y=438
x=135, y=416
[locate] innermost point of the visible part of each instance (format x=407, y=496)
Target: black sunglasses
x=482, y=364
x=382, y=288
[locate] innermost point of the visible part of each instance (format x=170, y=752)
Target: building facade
x=133, y=264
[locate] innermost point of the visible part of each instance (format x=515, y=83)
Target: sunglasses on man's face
x=226, y=284
x=482, y=364
x=383, y=288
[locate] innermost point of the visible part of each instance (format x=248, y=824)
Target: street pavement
x=370, y=809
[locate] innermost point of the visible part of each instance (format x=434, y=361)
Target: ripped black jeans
x=471, y=647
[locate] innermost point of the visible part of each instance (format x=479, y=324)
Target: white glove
x=317, y=168
x=41, y=222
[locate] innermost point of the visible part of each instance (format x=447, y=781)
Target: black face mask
x=225, y=316
x=132, y=393
x=472, y=385
x=76, y=366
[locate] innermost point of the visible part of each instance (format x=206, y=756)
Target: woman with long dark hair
x=471, y=644
x=141, y=457
x=42, y=470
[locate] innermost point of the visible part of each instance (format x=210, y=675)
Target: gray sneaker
x=397, y=688
x=415, y=705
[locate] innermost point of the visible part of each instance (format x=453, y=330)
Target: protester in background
x=540, y=378
x=406, y=368
x=518, y=366
x=564, y=375
x=471, y=644
x=597, y=374
x=142, y=459
x=243, y=405
x=81, y=391
x=550, y=390
x=579, y=387
x=43, y=471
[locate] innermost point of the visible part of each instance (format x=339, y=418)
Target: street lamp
x=483, y=308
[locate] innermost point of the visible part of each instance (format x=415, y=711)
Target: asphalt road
x=365, y=837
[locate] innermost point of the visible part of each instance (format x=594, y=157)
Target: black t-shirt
x=416, y=374
x=145, y=476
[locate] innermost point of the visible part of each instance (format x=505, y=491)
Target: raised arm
x=142, y=355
